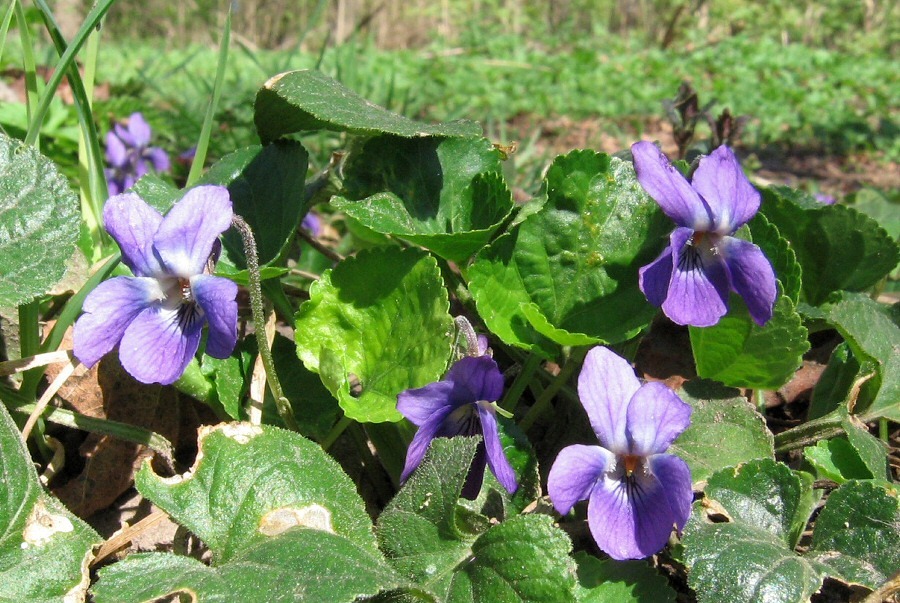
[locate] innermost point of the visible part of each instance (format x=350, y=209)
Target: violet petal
x=159, y=159
x=139, y=129
x=656, y=416
x=158, y=345
x=185, y=238
x=420, y=442
x=218, y=298
x=698, y=291
x=726, y=190
x=751, y=276
x=574, y=474
x=418, y=405
x=475, y=378
x=654, y=278
x=674, y=477
x=108, y=310
x=116, y=153
x=496, y=457
x=133, y=224
x=668, y=187
x=605, y=385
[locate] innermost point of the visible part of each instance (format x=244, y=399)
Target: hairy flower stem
x=259, y=319
x=541, y=404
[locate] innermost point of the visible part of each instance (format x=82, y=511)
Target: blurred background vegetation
x=816, y=78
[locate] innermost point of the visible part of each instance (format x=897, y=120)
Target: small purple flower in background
x=825, y=199
x=157, y=315
x=693, y=276
x=460, y=404
x=129, y=154
x=312, y=223
x=636, y=494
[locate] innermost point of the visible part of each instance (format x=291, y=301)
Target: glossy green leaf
x=610, y=581
x=835, y=383
x=739, y=353
x=44, y=549
x=857, y=533
x=779, y=253
x=267, y=187
x=725, y=430
x=248, y=477
x=230, y=378
x=579, y=255
x=577, y=258
x=305, y=100
x=460, y=556
x=872, y=332
x=497, y=286
x=872, y=451
x=301, y=564
x=837, y=460
x=39, y=218
x=837, y=246
x=376, y=325
x=452, y=218
x=750, y=558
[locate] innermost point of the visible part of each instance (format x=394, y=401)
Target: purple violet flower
x=312, y=223
x=635, y=493
x=825, y=199
x=157, y=315
x=130, y=156
x=460, y=404
x=693, y=276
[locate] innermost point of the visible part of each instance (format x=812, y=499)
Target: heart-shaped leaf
x=306, y=100
x=248, y=477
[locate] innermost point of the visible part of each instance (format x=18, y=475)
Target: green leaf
x=248, y=477
x=609, y=581
x=856, y=534
x=495, y=501
x=837, y=460
x=498, y=289
x=720, y=416
x=306, y=100
x=835, y=383
x=267, y=187
x=315, y=409
x=779, y=253
x=872, y=333
x=313, y=565
x=872, y=451
x=439, y=192
x=579, y=255
x=576, y=259
x=156, y=192
x=378, y=323
x=229, y=376
x=39, y=221
x=837, y=246
x=750, y=557
x=458, y=556
x=739, y=353
x=44, y=549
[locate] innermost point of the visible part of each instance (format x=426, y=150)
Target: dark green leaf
x=609, y=581
x=725, y=430
x=39, y=220
x=739, y=353
x=857, y=533
x=872, y=451
x=44, y=549
x=299, y=565
x=306, y=100
x=267, y=189
x=837, y=246
x=780, y=254
x=837, y=460
x=249, y=477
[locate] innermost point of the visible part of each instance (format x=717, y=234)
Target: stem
x=259, y=319
x=316, y=244
x=809, y=433
x=514, y=393
x=560, y=380
x=336, y=431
